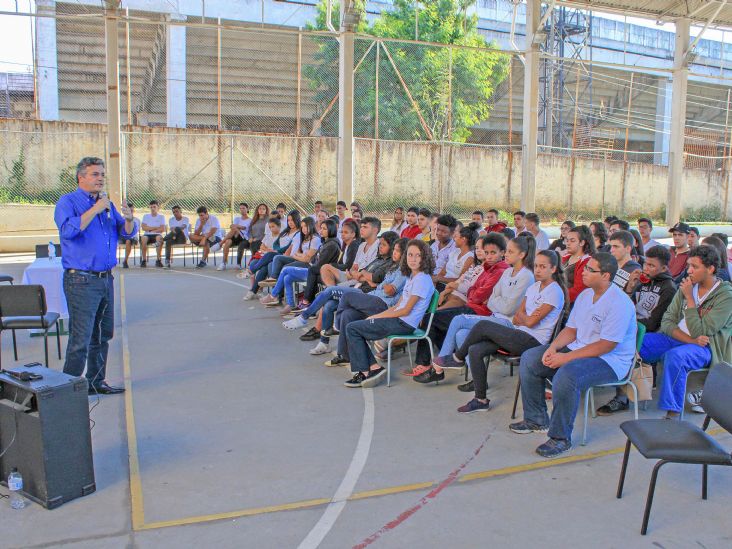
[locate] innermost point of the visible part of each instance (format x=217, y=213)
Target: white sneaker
x=694, y=399
x=216, y=247
x=320, y=349
x=249, y=296
x=295, y=323
x=221, y=267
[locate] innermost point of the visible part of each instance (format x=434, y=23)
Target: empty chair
x=6, y=278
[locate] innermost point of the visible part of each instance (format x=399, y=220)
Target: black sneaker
x=311, y=335
x=159, y=264
x=201, y=264
x=554, y=447
x=330, y=332
x=526, y=427
x=338, y=360
x=143, y=264
x=356, y=380
x=614, y=406
x=125, y=265
x=467, y=387
x=374, y=377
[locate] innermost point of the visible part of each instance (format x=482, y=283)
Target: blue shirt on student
x=95, y=247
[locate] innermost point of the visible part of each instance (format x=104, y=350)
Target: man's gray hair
x=87, y=161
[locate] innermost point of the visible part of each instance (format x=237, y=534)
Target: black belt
x=98, y=274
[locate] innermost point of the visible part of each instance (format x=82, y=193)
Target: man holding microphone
x=89, y=227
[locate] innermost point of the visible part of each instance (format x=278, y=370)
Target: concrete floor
x=243, y=438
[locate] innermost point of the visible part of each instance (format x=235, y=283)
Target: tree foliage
x=452, y=88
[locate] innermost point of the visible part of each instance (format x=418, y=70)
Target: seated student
x=281, y=210
x=412, y=229
x=424, y=220
x=597, y=346
x=258, y=229
x=645, y=227
x=608, y=222
x=341, y=208
x=129, y=242
x=580, y=248
x=268, y=244
x=618, y=225
x=531, y=326
x=493, y=224
x=503, y=302
x=637, y=254
x=717, y=244
x=652, y=290
x=694, y=237
x=238, y=235
x=532, y=225
x=621, y=246
x=367, y=251
x=295, y=249
x=559, y=243
x=695, y=331
x=478, y=217
x=294, y=272
x=398, y=222
x=460, y=258
x=179, y=225
x=317, y=207
x=727, y=258
x=455, y=292
x=282, y=245
x=404, y=317
x=599, y=236
x=679, y=251
x=519, y=222
x=206, y=234
x=307, y=247
x=443, y=245
x=153, y=228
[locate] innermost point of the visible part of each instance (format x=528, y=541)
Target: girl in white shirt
x=461, y=258
x=398, y=223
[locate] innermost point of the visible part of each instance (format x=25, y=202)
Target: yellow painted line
x=136, y=503
x=391, y=490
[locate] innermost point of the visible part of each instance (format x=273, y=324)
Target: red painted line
x=432, y=494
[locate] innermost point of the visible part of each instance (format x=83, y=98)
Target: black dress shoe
x=429, y=376
x=104, y=389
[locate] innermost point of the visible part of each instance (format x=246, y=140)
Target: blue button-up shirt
x=95, y=247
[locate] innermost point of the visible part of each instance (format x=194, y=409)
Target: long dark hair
x=295, y=215
x=526, y=243
x=332, y=227
x=310, y=225
x=470, y=233
x=585, y=235
x=600, y=232
x=638, y=251
x=556, y=262
x=353, y=226
x=256, y=217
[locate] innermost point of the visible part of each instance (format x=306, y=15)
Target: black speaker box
x=45, y=434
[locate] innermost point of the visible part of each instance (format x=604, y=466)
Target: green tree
x=451, y=87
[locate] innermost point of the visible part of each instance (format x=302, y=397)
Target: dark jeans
x=360, y=332
x=91, y=325
x=260, y=270
x=176, y=236
x=355, y=306
x=311, y=285
x=484, y=339
x=278, y=263
x=440, y=325
x=569, y=382
x=244, y=244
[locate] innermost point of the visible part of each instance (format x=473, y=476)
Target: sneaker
x=159, y=264
x=201, y=264
x=612, y=407
x=216, y=247
x=694, y=399
x=268, y=299
x=525, y=427
x=356, y=380
x=474, y=405
x=448, y=362
x=374, y=378
x=310, y=335
x=221, y=267
x=330, y=332
x=143, y=264
x=295, y=323
x=467, y=387
x=249, y=296
x=554, y=447
x=338, y=360
x=320, y=349
x=168, y=264
x=286, y=310
x=125, y=265
x=275, y=303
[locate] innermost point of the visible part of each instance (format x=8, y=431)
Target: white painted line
x=165, y=273
x=344, y=491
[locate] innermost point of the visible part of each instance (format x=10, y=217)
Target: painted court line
x=344, y=491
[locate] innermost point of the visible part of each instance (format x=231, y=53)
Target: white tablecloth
x=49, y=273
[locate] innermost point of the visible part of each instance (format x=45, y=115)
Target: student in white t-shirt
x=179, y=226
x=597, y=346
x=532, y=225
x=238, y=236
x=206, y=234
x=153, y=229
x=402, y=318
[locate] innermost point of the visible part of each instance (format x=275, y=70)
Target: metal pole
x=299, y=82
x=449, y=97
x=35, y=65
x=346, y=164
x=218, y=72
x=114, y=165
x=627, y=118
x=231, y=172
x=127, y=62
x=531, y=109
x=376, y=93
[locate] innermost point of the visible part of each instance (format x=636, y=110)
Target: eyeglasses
x=591, y=270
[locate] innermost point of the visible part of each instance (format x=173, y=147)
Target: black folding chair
x=23, y=307
x=681, y=441
x=6, y=278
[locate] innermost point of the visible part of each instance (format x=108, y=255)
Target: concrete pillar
x=531, y=109
x=345, y=117
x=111, y=40
x=46, y=61
x=663, y=121
x=175, y=70
x=678, y=122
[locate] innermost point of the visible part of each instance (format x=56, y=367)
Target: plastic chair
x=6, y=278
x=23, y=307
x=681, y=441
x=416, y=335
x=589, y=393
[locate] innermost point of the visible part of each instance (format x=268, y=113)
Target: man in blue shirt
x=89, y=227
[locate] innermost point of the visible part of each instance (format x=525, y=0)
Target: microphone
x=103, y=194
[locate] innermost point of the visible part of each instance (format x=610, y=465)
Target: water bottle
x=15, y=485
x=51, y=251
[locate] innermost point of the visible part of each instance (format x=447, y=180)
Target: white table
x=49, y=273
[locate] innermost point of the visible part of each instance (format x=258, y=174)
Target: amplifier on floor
x=45, y=434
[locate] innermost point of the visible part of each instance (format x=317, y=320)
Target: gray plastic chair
x=681, y=441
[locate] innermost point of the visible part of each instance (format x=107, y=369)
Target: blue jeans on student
x=321, y=300
x=91, y=325
x=262, y=262
x=261, y=270
x=678, y=360
x=360, y=332
x=355, y=306
x=288, y=276
x=278, y=264
x=569, y=382
x=459, y=329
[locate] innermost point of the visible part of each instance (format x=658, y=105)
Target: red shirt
x=482, y=288
x=677, y=265
x=576, y=286
x=411, y=231
x=497, y=228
